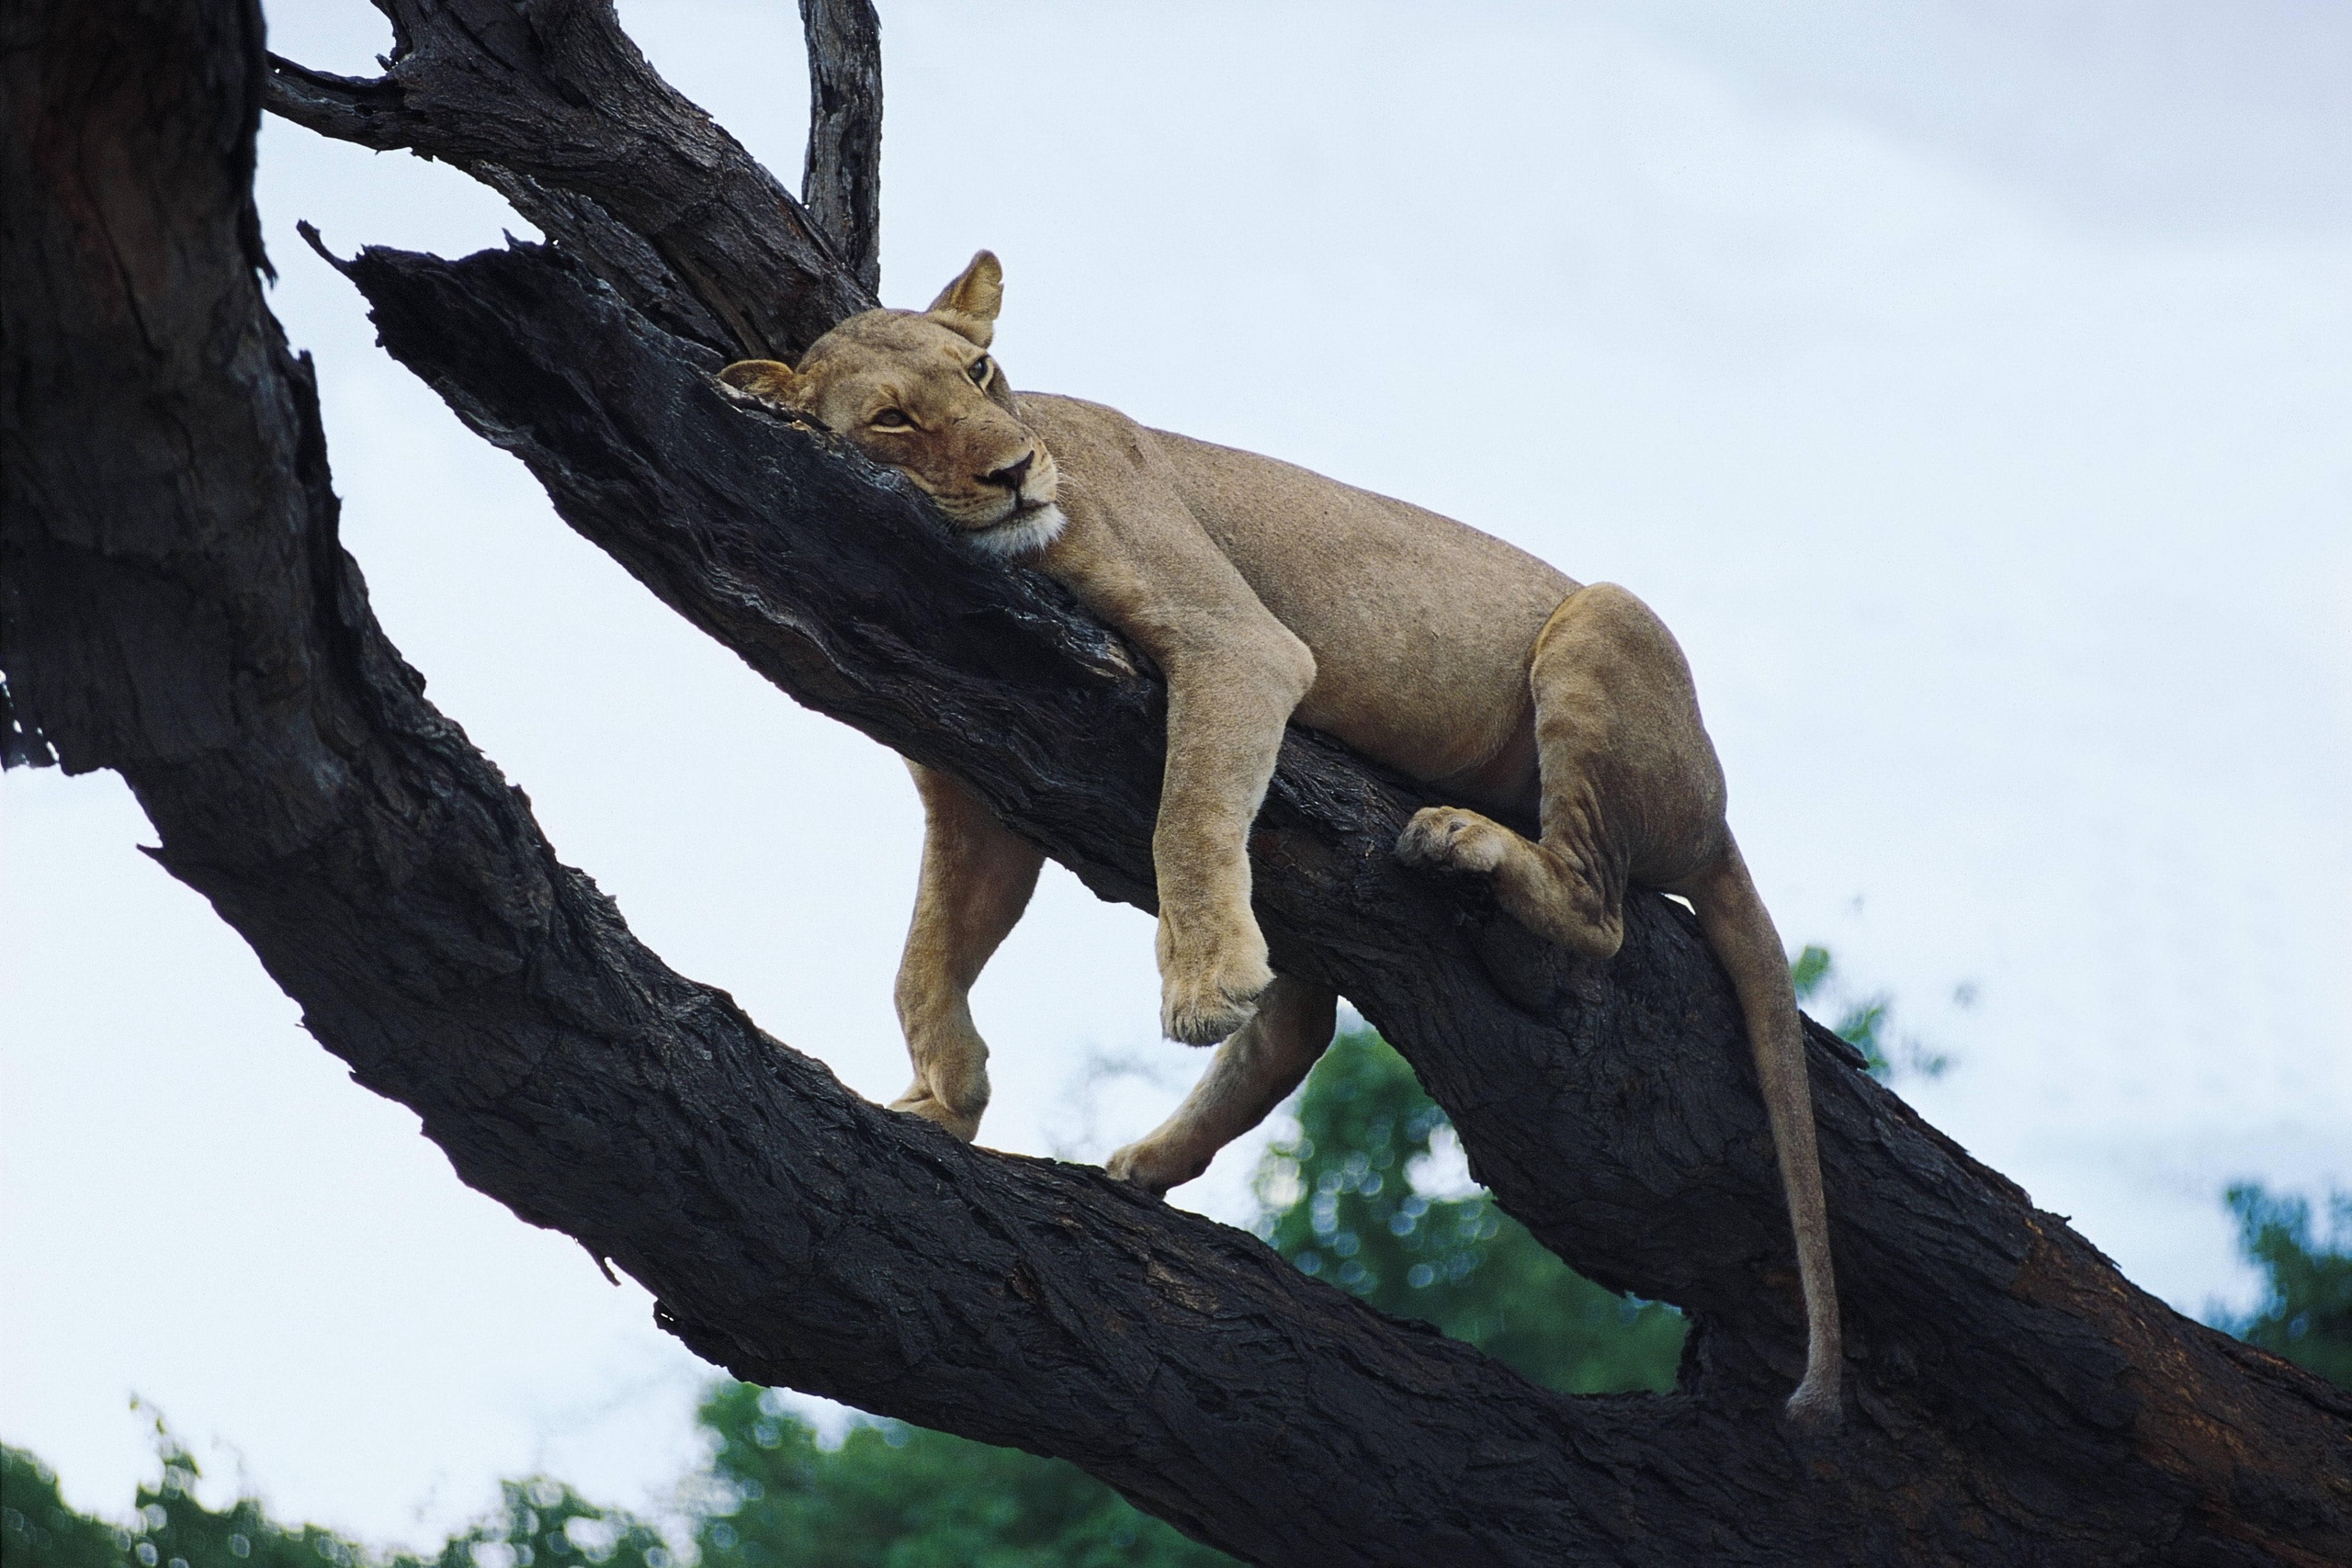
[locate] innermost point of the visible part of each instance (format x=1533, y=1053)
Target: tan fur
x=1267, y=594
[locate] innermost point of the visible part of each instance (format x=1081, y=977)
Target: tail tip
x=1814, y=1410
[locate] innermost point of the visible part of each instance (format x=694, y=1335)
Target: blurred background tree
x=1360, y=1198
x=167, y=1527
x=539, y=1523
x=904, y=1497
x=1866, y=1020
x=2306, y=1309
x=543, y=1523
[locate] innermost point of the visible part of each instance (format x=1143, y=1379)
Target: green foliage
x=168, y=1528
x=542, y=1523
x=2306, y=1312
x=38, y=1530
x=539, y=1524
x=1867, y=1022
x=898, y=1496
x=1339, y=1201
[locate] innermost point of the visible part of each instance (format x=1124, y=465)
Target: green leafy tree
x=539, y=1524
x=168, y=1528
x=1867, y=1022
x=1339, y=1200
x=898, y=1496
x=543, y=1523
x=2306, y=1310
x=38, y=1531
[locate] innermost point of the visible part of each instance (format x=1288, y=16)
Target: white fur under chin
x=1019, y=535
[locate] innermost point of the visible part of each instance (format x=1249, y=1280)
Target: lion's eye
x=981, y=369
x=891, y=418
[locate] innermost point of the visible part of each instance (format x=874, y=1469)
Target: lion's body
x=1267, y=594
x=1421, y=627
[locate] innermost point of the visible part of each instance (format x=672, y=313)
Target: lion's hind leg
x=977, y=878
x=1549, y=887
x=1631, y=791
x=1608, y=684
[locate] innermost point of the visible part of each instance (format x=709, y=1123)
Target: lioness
x=1267, y=594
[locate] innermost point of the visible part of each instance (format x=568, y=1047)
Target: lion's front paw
x=1451, y=838
x=1204, y=1014
x=1201, y=1002
x=1153, y=1166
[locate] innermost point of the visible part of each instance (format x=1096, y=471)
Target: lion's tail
x=1740, y=931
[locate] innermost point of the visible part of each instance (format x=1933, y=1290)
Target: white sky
x=1969, y=385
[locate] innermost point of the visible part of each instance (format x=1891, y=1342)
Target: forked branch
x=552, y=105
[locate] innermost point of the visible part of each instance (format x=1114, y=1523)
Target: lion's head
x=918, y=390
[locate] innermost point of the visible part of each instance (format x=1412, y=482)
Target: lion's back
x=1421, y=627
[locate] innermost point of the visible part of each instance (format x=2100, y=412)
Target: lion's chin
x=1020, y=532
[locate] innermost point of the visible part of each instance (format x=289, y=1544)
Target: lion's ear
x=968, y=306
x=768, y=379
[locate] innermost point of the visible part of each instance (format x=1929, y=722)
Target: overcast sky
x=1967, y=382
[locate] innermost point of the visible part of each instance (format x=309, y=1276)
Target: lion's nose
x=1012, y=474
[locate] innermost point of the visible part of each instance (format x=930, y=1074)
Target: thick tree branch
x=842, y=181
x=552, y=105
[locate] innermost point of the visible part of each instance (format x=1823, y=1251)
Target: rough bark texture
x=548, y=102
x=842, y=181
x=177, y=607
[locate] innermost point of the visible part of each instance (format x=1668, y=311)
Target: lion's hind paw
x=1450, y=838
x=1153, y=1168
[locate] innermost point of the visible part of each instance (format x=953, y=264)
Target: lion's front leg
x=1226, y=714
x=978, y=875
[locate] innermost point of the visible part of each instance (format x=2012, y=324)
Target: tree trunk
x=177, y=607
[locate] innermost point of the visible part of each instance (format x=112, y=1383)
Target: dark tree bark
x=177, y=607
x=842, y=181
x=549, y=104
